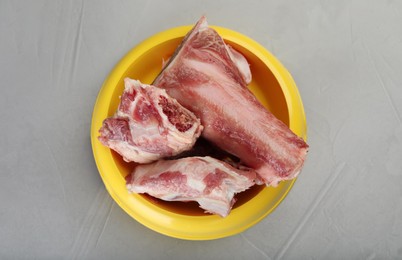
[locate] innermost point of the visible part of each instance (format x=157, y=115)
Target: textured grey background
x=345, y=56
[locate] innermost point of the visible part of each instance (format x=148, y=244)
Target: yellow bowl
x=273, y=86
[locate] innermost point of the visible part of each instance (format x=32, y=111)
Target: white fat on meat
x=208, y=181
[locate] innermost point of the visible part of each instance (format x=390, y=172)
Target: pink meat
x=149, y=125
x=208, y=181
x=210, y=79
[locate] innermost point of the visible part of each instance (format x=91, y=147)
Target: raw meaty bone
x=210, y=79
x=208, y=181
x=149, y=125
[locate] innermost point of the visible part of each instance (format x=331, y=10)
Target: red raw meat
x=208, y=181
x=210, y=79
x=149, y=125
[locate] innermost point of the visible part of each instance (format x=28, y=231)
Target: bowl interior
x=145, y=68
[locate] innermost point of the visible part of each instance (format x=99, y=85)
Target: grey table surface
x=346, y=59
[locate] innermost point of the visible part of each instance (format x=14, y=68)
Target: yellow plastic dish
x=273, y=86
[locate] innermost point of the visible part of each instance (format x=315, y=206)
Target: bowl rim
x=297, y=123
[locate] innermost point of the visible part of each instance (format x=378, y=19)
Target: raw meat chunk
x=210, y=79
x=149, y=125
x=208, y=181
